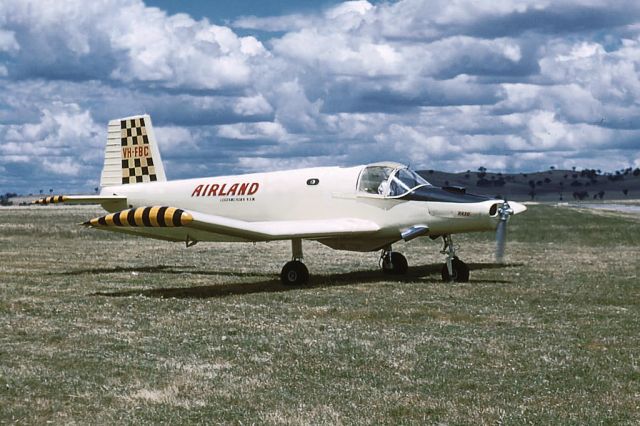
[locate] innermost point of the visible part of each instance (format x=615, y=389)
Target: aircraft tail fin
x=132, y=154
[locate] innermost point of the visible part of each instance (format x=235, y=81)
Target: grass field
x=103, y=328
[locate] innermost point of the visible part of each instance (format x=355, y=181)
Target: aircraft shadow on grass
x=164, y=269
x=417, y=274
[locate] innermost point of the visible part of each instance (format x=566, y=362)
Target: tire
x=294, y=273
x=460, y=271
x=395, y=264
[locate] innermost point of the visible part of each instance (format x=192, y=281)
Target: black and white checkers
x=137, y=164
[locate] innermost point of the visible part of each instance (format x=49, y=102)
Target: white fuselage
x=304, y=194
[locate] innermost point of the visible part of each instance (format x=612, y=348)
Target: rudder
x=132, y=154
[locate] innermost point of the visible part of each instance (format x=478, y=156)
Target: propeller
x=501, y=231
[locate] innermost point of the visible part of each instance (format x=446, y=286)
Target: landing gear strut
x=295, y=272
x=454, y=269
x=392, y=262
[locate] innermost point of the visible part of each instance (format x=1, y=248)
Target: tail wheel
x=294, y=273
x=394, y=263
x=460, y=271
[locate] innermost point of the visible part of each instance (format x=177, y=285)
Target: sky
x=250, y=86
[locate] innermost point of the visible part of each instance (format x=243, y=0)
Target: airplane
x=362, y=208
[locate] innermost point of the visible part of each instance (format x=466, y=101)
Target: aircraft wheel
x=394, y=263
x=460, y=271
x=294, y=273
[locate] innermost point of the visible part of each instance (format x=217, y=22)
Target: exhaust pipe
x=414, y=232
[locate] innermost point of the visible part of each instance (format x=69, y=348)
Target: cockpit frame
x=388, y=180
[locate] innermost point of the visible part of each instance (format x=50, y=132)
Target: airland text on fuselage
x=227, y=192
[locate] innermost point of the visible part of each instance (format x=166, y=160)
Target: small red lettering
x=253, y=188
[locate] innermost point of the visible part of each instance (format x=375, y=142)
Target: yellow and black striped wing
x=151, y=217
x=54, y=199
x=82, y=199
x=143, y=220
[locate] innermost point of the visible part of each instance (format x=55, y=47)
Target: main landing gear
x=294, y=272
x=454, y=269
x=392, y=262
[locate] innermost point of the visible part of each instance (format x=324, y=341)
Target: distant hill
x=551, y=185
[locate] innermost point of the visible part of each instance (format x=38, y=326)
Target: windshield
x=389, y=181
x=409, y=179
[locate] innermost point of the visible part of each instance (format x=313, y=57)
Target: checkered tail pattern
x=137, y=162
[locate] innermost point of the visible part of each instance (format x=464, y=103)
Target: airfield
x=103, y=328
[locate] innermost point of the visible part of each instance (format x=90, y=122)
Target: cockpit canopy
x=389, y=179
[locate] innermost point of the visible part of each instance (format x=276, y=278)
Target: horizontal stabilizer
x=80, y=199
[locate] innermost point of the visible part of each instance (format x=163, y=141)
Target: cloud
x=177, y=51
x=8, y=42
x=255, y=105
x=255, y=131
x=510, y=85
x=63, y=127
x=262, y=164
x=429, y=20
x=105, y=40
x=62, y=143
x=348, y=14
x=272, y=23
x=175, y=139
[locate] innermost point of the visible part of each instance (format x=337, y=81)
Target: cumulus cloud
x=180, y=52
x=62, y=143
x=255, y=131
x=175, y=139
x=8, y=41
x=123, y=40
x=511, y=85
x=63, y=127
x=262, y=164
x=252, y=106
